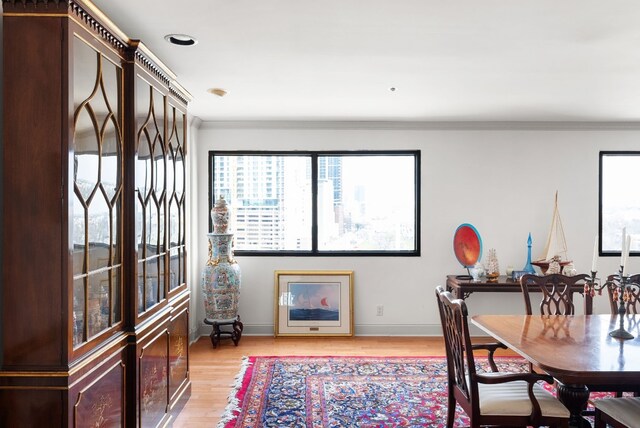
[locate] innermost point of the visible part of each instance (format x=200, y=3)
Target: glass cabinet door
x=96, y=220
x=150, y=173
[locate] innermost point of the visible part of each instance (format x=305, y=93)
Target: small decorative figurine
x=477, y=271
x=569, y=270
x=493, y=269
x=554, y=265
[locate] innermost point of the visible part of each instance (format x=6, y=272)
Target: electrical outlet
x=379, y=310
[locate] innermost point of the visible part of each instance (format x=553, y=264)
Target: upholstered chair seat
x=618, y=412
x=512, y=399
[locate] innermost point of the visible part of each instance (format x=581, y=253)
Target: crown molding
x=426, y=125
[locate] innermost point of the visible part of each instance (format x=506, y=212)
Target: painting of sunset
x=314, y=301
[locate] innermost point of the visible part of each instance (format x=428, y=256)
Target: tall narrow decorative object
x=528, y=267
x=221, y=279
x=493, y=268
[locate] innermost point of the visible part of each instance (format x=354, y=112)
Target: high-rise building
x=264, y=192
x=330, y=168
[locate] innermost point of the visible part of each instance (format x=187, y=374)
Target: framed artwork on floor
x=313, y=303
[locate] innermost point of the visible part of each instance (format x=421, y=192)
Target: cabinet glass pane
x=116, y=309
x=162, y=228
x=111, y=86
x=143, y=167
x=151, y=283
x=140, y=286
x=85, y=164
x=151, y=225
x=179, y=175
x=110, y=168
x=140, y=230
x=181, y=277
x=170, y=173
x=78, y=311
x=174, y=268
x=174, y=224
x=159, y=169
x=98, y=303
x=161, y=277
x=99, y=233
x=79, y=226
x=86, y=75
x=115, y=235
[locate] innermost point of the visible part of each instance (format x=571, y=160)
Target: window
x=320, y=203
x=619, y=201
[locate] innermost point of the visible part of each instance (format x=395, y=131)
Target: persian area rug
x=319, y=392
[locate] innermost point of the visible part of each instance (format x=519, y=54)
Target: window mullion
x=314, y=203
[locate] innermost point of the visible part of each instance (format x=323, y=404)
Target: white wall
x=499, y=177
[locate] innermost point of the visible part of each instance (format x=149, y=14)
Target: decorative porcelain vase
x=477, y=271
x=221, y=277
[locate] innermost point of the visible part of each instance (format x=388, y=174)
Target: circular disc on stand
x=467, y=245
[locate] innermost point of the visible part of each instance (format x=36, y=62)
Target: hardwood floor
x=213, y=370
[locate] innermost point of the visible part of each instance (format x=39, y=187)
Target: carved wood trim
x=112, y=36
x=181, y=96
x=32, y=3
x=101, y=27
x=152, y=67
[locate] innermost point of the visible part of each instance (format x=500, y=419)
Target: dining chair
x=557, y=292
x=632, y=305
x=618, y=412
x=494, y=398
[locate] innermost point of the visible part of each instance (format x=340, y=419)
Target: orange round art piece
x=467, y=245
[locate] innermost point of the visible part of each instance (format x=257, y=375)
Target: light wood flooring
x=213, y=370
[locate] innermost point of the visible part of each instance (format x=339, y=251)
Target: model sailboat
x=556, y=248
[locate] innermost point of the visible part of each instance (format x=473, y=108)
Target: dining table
x=576, y=350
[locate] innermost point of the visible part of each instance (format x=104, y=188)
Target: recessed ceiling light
x=217, y=91
x=180, y=39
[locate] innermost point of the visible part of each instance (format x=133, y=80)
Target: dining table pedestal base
x=575, y=398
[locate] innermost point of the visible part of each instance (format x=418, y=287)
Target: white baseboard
x=360, y=330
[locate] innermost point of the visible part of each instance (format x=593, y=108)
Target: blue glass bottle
x=528, y=267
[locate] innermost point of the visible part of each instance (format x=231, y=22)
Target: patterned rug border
x=242, y=380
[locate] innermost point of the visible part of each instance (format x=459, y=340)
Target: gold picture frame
x=313, y=303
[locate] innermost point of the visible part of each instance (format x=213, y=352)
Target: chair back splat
x=557, y=292
x=632, y=302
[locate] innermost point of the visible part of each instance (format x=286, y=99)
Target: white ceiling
x=465, y=60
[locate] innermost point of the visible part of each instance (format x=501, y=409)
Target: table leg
x=575, y=398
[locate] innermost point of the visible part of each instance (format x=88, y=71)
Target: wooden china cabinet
x=94, y=296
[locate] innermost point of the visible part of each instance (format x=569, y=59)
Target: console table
x=463, y=288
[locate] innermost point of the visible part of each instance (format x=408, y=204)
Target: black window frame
x=314, y=154
x=601, y=251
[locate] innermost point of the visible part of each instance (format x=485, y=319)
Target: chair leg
x=598, y=422
x=451, y=410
